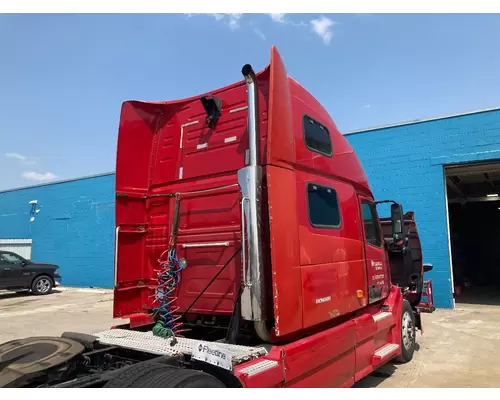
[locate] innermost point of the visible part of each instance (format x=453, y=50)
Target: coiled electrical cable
x=168, y=324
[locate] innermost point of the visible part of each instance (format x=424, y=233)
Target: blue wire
x=171, y=273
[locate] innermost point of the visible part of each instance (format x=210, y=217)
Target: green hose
x=160, y=331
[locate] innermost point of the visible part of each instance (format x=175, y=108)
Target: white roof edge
x=57, y=182
x=417, y=121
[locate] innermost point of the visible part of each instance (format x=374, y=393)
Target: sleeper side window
x=323, y=205
x=370, y=221
x=316, y=136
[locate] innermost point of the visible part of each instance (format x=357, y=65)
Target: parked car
x=17, y=273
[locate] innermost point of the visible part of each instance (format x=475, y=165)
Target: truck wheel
x=156, y=375
x=408, y=333
x=42, y=285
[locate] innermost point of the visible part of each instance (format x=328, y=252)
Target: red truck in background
x=248, y=253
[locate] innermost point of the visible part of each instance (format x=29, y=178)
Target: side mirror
x=428, y=267
x=23, y=263
x=397, y=221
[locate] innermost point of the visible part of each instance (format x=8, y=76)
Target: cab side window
x=324, y=208
x=371, y=223
x=316, y=136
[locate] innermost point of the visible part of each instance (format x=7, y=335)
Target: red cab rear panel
x=317, y=273
x=167, y=148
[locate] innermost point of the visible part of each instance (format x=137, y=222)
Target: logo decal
x=323, y=299
x=213, y=354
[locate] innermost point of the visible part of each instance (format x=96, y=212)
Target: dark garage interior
x=474, y=216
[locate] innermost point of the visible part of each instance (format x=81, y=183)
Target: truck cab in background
x=402, y=243
x=248, y=249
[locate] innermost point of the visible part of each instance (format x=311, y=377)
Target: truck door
x=375, y=257
x=10, y=269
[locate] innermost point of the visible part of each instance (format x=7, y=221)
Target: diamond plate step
x=259, y=367
x=381, y=315
x=385, y=351
x=147, y=342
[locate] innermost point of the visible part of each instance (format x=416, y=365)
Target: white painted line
x=230, y=139
x=238, y=109
x=189, y=123
x=211, y=244
x=182, y=130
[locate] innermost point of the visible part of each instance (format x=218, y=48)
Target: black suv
x=17, y=273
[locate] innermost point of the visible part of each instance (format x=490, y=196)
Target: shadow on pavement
x=377, y=377
x=24, y=293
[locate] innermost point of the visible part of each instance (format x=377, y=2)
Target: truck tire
x=42, y=285
x=408, y=333
x=156, y=375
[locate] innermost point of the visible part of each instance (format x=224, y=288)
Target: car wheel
x=42, y=285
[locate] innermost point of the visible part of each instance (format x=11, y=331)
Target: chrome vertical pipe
x=250, y=181
x=253, y=114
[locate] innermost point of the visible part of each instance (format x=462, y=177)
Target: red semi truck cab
x=268, y=207
x=314, y=249
x=249, y=251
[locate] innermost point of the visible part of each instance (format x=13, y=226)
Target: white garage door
x=19, y=246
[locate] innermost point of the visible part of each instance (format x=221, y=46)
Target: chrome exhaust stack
x=253, y=114
x=250, y=181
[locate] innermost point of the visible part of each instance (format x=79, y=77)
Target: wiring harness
x=168, y=324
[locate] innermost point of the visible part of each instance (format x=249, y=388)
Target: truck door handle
x=243, y=244
x=117, y=231
x=6, y=269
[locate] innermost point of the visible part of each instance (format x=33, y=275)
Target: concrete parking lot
x=459, y=348
x=66, y=309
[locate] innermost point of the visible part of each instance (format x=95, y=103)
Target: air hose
x=167, y=324
x=167, y=321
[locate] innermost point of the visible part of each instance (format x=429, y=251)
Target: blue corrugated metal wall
x=406, y=163
x=74, y=228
